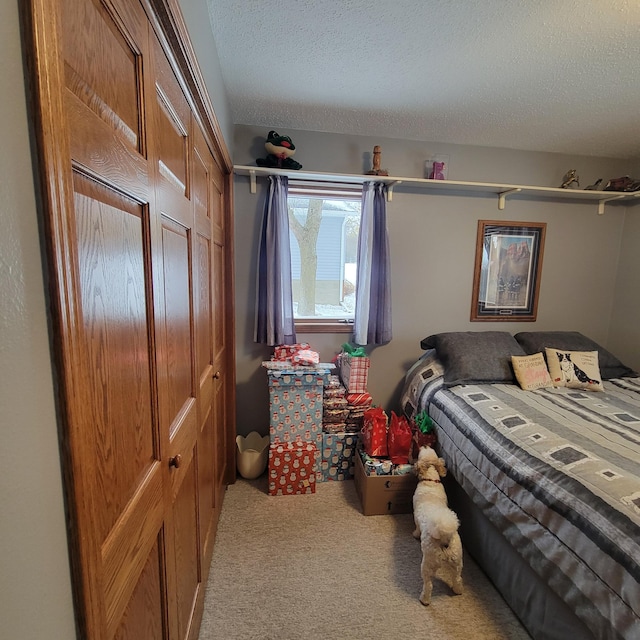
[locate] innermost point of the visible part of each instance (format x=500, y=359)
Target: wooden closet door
x=222, y=320
x=175, y=297
x=132, y=196
x=204, y=305
x=108, y=337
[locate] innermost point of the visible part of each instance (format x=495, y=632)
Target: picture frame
x=508, y=267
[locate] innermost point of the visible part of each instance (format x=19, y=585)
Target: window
x=324, y=222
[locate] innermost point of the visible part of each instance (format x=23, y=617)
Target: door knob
x=216, y=375
x=175, y=461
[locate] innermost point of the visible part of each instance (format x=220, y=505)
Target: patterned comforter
x=557, y=471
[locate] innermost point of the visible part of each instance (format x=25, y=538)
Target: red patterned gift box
x=292, y=468
x=354, y=372
x=285, y=352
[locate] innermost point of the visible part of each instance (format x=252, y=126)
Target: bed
x=546, y=482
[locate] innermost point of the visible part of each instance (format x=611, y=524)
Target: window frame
x=328, y=190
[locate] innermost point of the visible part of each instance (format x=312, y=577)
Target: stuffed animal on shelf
x=279, y=151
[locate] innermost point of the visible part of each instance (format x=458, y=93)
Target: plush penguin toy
x=279, y=149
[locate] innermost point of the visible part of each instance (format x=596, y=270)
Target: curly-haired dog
x=436, y=526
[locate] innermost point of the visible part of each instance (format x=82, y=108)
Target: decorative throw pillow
x=610, y=366
x=574, y=369
x=531, y=372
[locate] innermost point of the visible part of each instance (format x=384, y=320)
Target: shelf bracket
x=503, y=195
x=602, y=202
x=390, y=189
x=252, y=180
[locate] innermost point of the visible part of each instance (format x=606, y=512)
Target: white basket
x=252, y=454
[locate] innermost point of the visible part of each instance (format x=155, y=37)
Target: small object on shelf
x=625, y=183
x=437, y=167
x=377, y=157
x=279, y=151
x=594, y=186
x=571, y=180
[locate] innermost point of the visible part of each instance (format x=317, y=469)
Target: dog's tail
x=442, y=527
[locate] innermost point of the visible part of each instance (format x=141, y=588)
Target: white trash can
x=252, y=453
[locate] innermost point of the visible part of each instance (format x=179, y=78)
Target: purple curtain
x=274, y=297
x=372, y=324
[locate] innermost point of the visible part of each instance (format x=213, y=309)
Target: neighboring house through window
x=324, y=222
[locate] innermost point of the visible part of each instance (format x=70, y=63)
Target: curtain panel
x=372, y=323
x=274, y=296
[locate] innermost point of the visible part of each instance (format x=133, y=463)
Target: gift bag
x=399, y=439
x=374, y=432
x=423, y=434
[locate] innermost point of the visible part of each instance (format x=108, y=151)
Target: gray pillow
x=475, y=357
x=535, y=341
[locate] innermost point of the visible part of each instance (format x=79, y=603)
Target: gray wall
x=196, y=17
x=35, y=586
x=432, y=242
x=624, y=334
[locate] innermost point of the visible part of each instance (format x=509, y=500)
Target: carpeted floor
x=314, y=568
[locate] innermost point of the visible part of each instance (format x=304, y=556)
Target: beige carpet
x=314, y=568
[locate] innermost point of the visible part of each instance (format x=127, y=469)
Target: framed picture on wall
x=506, y=279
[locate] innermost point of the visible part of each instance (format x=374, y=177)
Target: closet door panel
x=143, y=617
x=175, y=314
x=201, y=198
x=220, y=319
x=116, y=447
x=112, y=88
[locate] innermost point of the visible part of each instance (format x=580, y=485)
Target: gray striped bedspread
x=557, y=471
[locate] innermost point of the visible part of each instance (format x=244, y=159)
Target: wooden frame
x=508, y=265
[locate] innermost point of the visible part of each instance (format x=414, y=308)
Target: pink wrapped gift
x=305, y=357
x=285, y=352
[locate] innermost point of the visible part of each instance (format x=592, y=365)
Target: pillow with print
x=531, y=372
x=574, y=369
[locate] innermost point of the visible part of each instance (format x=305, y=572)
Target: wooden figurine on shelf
x=570, y=180
x=376, y=170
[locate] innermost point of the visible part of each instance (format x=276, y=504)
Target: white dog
x=436, y=526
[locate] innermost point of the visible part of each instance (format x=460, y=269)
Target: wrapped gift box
x=354, y=372
x=338, y=455
x=293, y=467
x=295, y=404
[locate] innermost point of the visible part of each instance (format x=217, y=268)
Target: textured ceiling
x=545, y=75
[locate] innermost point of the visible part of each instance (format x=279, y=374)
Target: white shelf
x=501, y=190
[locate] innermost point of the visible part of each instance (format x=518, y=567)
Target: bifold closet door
x=108, y=249
x=128, y=180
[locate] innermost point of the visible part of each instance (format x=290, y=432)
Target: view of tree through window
x=324, y=244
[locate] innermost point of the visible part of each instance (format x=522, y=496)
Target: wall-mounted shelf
x=503, y=191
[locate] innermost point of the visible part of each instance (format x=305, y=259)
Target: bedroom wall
x=196, y=18
x=624, y=333
x=35, y=584
x=432, y=242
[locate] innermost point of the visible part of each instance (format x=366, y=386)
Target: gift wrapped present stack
x=338, y=440
x=296, y=383
x=390, y=445
x=345, y=401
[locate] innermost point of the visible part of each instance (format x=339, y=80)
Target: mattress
x=557, y=472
